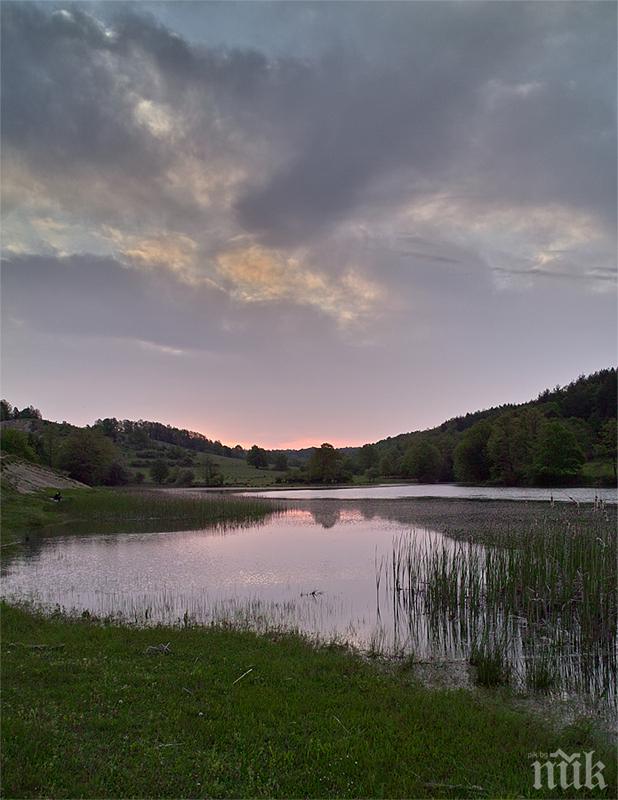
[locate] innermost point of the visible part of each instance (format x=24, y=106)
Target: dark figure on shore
x=57, y=497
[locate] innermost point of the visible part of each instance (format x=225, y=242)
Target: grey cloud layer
x=93, y=297
x=383, y=198
x=506, y=101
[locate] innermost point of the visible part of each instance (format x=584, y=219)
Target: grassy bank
x=23, y=512
x=88, y=713
x=112, y=509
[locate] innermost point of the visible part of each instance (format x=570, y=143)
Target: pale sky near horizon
x=289, y=223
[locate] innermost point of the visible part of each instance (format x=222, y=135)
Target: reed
x=542, y=674
x=160, y=509
x=492, y=666
x=538, y=602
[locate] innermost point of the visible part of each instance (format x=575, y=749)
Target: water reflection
x=326, y=516
x=312, y=569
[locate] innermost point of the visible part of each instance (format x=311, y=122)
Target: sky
x=289, y=223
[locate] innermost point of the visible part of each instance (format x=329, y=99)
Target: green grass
x=22, y=512
x=98, y=510
x=98, y=717
x=236, y=472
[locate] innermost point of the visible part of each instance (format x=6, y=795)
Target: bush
x=117, y=475
x=185, y=477
x=87, y=455
x=159, y=471
x=16, y=443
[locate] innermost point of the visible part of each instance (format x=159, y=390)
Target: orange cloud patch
x=173, y=251
x=258, y=274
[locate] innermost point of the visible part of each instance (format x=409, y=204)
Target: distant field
x=598, y=470
x=235, y=471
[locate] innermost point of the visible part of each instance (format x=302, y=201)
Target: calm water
x=311, y=568
x=446, y=490
x=265, y=573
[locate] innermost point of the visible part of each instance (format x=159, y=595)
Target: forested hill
x=566, y=433
x=114, y=451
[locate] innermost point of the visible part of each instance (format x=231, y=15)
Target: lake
x=319, y=567
x=267, y=570
x=445, y=490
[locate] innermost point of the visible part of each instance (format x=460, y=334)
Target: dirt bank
x=25, y=477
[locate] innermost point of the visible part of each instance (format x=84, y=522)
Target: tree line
x=7, y=411
x=140, y=433
x=545, y=441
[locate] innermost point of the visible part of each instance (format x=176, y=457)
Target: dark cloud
x=420, y=111
x=71, y=89
x=316, y=138
x=60, y=100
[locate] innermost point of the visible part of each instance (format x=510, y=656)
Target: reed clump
x=542, y=674
x=159, y=507
x=546, y=592
x=491, y=664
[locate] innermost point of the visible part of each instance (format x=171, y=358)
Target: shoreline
x=335, y=724
x=268, y=492
x=194, y=722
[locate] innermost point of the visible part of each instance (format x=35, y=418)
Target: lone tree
x=257, y=457
x=159, y=471
x=212, y=472
x=281, y=462
x=325, y=464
